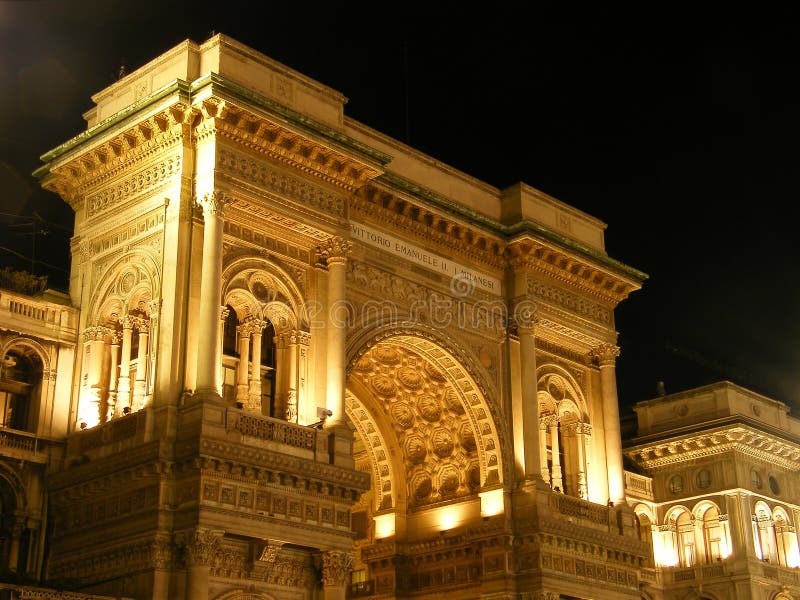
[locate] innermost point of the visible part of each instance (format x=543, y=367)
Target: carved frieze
x=143, y=182
x=570, y=302
x=759, y=445
x=281, y=182
x=401, y=299
x=142, y=232
x=417, y=221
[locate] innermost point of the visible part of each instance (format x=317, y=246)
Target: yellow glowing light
x=88, y=415
x=492, y=502
x=664, y=549
x=793, y=557
x=448, y=518
x=384, y=525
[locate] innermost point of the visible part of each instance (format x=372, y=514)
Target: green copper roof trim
x=292, y=116
x=177, y=85
x=507, y=231
x=187, y=89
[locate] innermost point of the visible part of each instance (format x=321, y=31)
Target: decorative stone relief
x=334, y=250
x=460, y=376
x=140, y=183
x=201, y=546
x=336, y=568
x=569, y=301
x=605, y=353
x=281, y=183
x=429, y=418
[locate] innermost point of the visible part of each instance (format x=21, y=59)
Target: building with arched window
x=715, y=486
x=301, y=360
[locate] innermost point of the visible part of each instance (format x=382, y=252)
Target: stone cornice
x=521, y=228
x=288, y=141
x=107, y=159
x=298, y=467
x=180, y=87
x=736, y=438
x=430, y=217
x=383, y=207
x=297, y=120
x=563, y=265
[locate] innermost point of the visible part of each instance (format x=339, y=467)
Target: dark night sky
x=677, y=126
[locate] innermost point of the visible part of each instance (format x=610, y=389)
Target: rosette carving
x=410, y=377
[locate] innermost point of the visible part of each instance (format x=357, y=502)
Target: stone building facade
x=715, y=491
x=300, y=359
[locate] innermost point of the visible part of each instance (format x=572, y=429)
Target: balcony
x=25, y=446
x=638, y=486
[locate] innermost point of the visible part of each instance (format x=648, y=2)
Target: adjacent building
x=300, y=359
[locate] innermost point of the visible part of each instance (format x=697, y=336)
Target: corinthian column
x=124, y=386
x=253, y=403
x=242, y=371
x=335, y=252
x=201, y=549
x=336, y=569
x=556, y=477
x=112, y=377
x=525, y=406
x=140, y=383
x=208, y=337
x=606, y=355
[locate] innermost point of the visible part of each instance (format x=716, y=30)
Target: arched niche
x=128, y=285
x=254, y=283
x=425, y=431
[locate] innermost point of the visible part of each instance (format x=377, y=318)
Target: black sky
x=676, y=125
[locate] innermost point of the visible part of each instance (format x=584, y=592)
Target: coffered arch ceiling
x=424, y=423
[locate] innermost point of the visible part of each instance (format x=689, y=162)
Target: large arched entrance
x=428, y=435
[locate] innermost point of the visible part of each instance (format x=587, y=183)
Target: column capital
x=256, y=325
x=548, y=420
x=201, y=545
x=334, y=250
x=224, y=313
x=606, y=354
x=98, y=333
x=336, y=567
x=214, y=203
x=143, y=325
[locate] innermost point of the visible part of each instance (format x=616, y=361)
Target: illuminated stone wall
x=292, y=326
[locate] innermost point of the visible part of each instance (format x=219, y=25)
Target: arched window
x=229, y=346
x=20, y=390
x=764, y=533
x=788, y=553
x=565, y=435
x=687, y=555
x=715, y=542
